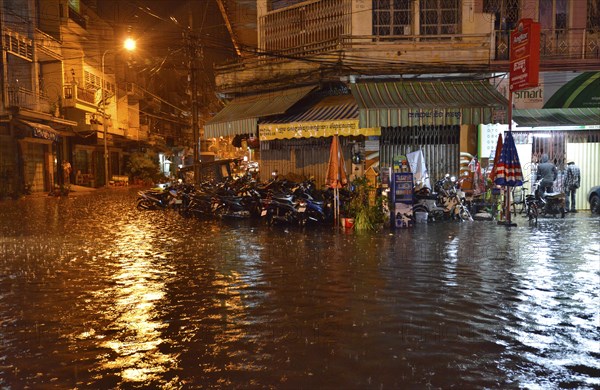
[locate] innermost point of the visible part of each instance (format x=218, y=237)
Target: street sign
x=524, y=55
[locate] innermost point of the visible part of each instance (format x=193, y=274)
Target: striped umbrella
x=496, y=158
x=508, y=171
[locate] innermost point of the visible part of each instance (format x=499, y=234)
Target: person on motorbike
x=547, y=172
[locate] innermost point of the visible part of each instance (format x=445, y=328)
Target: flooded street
x=96, y=294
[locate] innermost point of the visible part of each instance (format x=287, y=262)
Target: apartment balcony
x=17, y=44
x=569, y=49
x=22, y=98
x=48, y=47
x=134, y=92
x=77, y=18
x=381, y=55
x=80, y=98
x=137, y=133
x=359, y=54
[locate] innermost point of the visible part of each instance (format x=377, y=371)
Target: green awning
x=241, y=115
x=421, y=103
x=557, y=117
x=581, y=92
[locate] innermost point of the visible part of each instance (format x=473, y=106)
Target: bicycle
x=519, y=195
x=532, y=209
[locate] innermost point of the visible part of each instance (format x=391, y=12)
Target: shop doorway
x=440, y=146
x=35, y=173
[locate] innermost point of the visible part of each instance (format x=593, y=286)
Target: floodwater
x=95, y=294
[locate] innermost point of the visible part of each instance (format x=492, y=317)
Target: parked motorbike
x=447, y=202
x=162, y=197
x=542, y=204
x=197, y=204
x=284, y=209
x=318, y=206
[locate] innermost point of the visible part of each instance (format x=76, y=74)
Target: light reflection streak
x=557, y=305
x=139, y=289
x=450, y=262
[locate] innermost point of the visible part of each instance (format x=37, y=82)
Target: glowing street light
x=128, y=45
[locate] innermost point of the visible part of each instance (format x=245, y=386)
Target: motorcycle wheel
x=533, y=214
x=144, y=204
x=464, y=214
x=436, y=215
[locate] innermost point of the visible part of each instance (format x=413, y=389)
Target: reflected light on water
x=139, y=289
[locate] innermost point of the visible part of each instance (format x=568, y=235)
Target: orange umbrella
x=336, y=174
x=336, y=170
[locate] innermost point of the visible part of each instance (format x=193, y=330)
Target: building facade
x=34, y=136
x=426, y=74
x=69, y=99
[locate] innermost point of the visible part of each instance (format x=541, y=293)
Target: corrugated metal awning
x=327, y=109
x=332, y=115
x=241, y=115
x=418, y=103
x=587, y=116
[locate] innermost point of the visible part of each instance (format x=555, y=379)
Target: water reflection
x=104, y=296
x=141, y=272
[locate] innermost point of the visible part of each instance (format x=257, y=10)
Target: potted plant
x=366, y=216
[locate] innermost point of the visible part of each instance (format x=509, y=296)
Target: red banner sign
x=525, y=55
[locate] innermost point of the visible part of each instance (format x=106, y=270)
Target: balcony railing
x=566, y=44
x=75, y=94
x=305, y=24
x=47, y=44
x=17, y=44
x=358, y=46
x=77, y=18
x=23, y=98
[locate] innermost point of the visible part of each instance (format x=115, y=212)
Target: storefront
x=438, y=117
x=240, y=116
x=38, y=155
x=298, y=143
x=564, y=123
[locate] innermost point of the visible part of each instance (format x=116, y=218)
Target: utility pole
x=192, y=46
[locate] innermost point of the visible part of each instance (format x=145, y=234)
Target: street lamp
x=129, y=45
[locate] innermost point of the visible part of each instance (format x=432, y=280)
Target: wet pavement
x=95, y=294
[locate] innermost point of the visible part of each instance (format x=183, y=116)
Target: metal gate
x=34, y=166
x=303, y=158
x=440, y=146
x=587, y=157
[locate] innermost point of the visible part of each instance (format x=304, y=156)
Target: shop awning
x=419, y=103
x=241, y=115
x=329, y=108
x=38, y=130
x=557, y=117
x=330, y=116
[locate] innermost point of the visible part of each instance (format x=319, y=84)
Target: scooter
x=163, y=197
x=284, y=209
x=549, y=203
x=450, y=201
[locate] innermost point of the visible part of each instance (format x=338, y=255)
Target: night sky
x=160, y=28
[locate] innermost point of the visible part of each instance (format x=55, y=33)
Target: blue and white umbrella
x=508, y=171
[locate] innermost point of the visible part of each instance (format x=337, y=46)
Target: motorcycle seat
x=232, y=198
x=283, y=198
x=553, y=195
x=426, y=197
